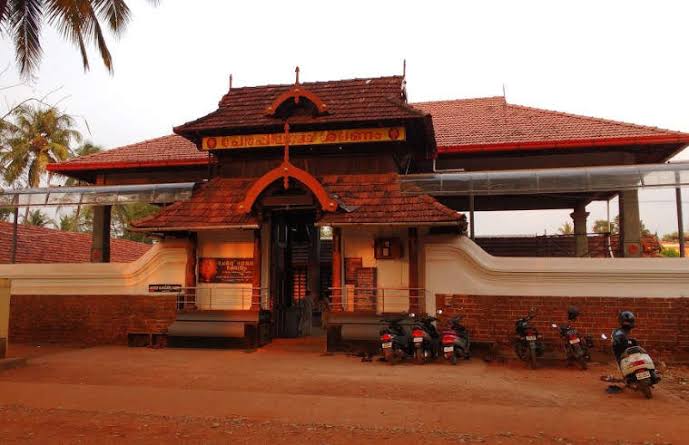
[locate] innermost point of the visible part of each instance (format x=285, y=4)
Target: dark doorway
x=296, y=286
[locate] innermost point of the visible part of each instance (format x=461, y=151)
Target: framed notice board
x=226, y=270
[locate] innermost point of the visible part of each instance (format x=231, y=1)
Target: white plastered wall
x=225, y=244
x=457, y=265
x=164, y=263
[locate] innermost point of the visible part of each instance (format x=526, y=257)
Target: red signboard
x=226, y=270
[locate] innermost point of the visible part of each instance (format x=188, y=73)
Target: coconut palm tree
x=36, y=137
x=79, y=22
x=566, y=229
x=38, y=218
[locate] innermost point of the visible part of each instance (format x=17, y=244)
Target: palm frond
x=24, y=17
x=115, y=12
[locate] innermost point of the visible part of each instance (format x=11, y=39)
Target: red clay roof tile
x=463, y=125
x=44, y=245
x=351, y=100
x=369, y=199
x=466, y=125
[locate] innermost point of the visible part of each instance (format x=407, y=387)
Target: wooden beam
x=256, y=279
x=100, y=234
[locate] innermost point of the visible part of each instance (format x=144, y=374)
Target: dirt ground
x=290, y=392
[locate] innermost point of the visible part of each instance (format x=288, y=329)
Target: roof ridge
x=88, y=156
x=595, y=119
x=273, y=85
x=463, y=99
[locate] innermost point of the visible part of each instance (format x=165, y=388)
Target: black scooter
x=528, y=343
x=456, y=341
x=395, y=341
x=576, y=347
x=426, y=339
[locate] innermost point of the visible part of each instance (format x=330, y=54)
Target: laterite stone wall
x=662, y=323
x=88, y=319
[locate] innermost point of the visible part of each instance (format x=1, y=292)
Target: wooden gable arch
x=286, y=170
x=295, y=93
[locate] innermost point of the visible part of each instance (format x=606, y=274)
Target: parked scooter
x=576, y=347
x=528, y=343
x=636, y=365
x=456, y=341
x=395, y=341
x=426, y=339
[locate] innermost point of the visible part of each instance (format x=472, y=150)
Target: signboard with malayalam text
x=322, y=137
x=226, y=270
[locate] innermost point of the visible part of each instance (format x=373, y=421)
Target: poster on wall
x=226, y=270
x=351, y=266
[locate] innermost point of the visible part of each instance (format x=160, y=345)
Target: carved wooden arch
x=286, y=170
x=295, y=93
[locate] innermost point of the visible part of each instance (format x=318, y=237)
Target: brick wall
x=87, y=319
x=662, y=323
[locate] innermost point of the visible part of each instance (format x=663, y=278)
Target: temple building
x=296, y=201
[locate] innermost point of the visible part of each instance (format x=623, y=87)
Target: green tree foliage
x=81, y=22
x=38, y=218
x=566, y=229
x=601, y=226
x=669, y=252
x=122, y=215
x=5, y=214
x=35, y=137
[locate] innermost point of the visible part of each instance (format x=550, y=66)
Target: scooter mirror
x=604, y=337
x=439, y=311
x=412, y=315
x=553, y=325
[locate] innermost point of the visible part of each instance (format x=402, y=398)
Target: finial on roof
x=230, y=82
x=296, y=70
x=504, y=95
x=403, y=92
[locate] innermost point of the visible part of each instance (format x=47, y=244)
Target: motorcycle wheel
x=453, y=359
x=532, y=358
x=645, y=388
x=580, y=356
x=390, y=357
x=418, y=356
x=521, y=350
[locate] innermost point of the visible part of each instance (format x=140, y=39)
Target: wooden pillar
x=256, y=279
x=189, y=296
x=336, y=301
x=100, y=236
x=630, y=224
x=581, y=238
x=414, y=295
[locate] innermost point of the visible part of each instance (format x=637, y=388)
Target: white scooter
x=638, y=368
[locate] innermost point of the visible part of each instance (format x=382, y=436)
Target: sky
x=623, y=60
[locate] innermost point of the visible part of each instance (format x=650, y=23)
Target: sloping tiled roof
x=378, y=199
x=482, y=124
x=353, y=100
x=213, y=205
x=461, y=126
x=370, y=199
x=159, y=152
x=43, y=245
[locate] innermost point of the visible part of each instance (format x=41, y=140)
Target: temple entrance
x=299, y=274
